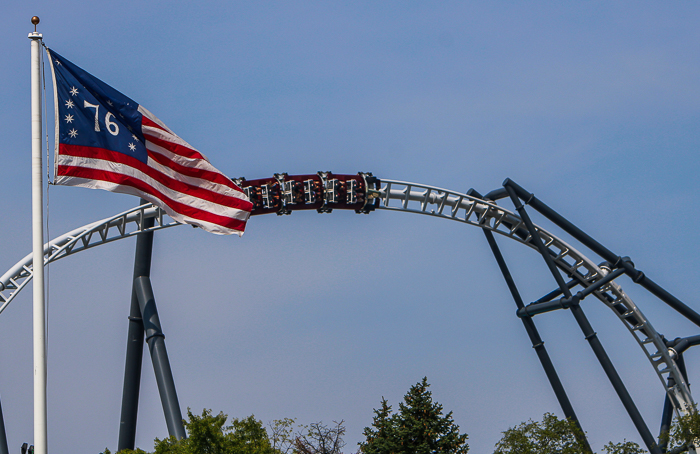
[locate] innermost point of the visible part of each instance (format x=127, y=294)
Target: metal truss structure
x=120, y=226
x=282, y=194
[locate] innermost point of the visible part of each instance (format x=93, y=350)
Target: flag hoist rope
x=47, y=266
x=39, y=320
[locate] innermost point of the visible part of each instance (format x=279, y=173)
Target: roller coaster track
x=120, y=226
x=442, y=203
x=365, y=193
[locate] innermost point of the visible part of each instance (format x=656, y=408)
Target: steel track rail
x=442, y=203
x=415, y=198
x=117, y=227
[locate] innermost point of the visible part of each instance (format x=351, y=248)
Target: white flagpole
x=40, y=435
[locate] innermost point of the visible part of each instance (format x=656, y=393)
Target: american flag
x=105, y=140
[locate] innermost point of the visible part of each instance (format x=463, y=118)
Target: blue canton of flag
x=105, y=140
x=90, y=106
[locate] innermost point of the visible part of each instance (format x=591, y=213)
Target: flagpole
x=39, y=313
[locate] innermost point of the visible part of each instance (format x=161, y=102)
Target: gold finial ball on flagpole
x=35, y=20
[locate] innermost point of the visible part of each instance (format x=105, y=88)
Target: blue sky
x=592, y=106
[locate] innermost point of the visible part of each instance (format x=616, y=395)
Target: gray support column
x=159, y=356
x=666, y=418
x=3, y=435
x=636, y=275
x=667, y=414
x=537, y=342
x=588, y=332
x=134, y=345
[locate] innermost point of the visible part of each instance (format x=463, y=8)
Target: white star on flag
x=129, y=150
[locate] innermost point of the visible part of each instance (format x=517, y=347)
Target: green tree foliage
x=207, y=434
x=248, y=436
x=383, y=437
x=553, y=436
x=419, y=427
x=685, y=431
x=283, y=435
x=126, y=451
x=626, y=447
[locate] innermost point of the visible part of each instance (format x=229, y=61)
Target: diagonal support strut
x=588, y=332
x=143, y=302
x=537, y=342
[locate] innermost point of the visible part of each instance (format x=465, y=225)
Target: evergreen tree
x=382, y=438
x=419, y=427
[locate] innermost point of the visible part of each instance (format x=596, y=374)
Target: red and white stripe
x=177, y=178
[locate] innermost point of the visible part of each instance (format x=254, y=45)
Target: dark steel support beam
x=667, y=413
x=496, y=194
x=566, y=302
x=159, y=355
x=3, y=435
x=637, y=276
x=560, y=221
x=681, y=365
x=536, y=340
x=557, y=292
x=680, y=345
x=666, y=418
x=134, y=345
x=587, y=329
